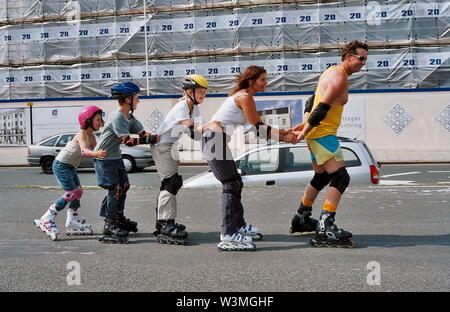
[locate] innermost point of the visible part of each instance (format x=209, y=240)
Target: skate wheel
x=257, y=236
x=332, y=244
x=163, y=239
x=230, y=246
x=301, y=233
x=109, y=240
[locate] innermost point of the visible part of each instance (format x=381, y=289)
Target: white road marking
x=399, y=174
x=397, y=182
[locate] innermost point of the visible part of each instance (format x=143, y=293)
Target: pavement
x=402, y=241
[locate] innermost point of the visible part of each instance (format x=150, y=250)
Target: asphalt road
x=401, y=231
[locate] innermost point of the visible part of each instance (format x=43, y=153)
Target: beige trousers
x=167, y=163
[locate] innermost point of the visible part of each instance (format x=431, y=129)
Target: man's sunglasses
x=360, y=57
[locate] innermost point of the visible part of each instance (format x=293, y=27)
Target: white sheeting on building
x=80, y=48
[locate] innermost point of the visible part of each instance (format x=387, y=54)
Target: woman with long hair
x=238, y=109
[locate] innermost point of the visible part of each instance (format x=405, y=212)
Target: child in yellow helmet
x=184, y=117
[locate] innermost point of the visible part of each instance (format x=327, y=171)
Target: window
x=350, y=158
x=49, y=142
x=299, y=159
x=296, y=159
x=260, y=162
x=64, y=140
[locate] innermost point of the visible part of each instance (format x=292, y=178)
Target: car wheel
x=129, y=163
x=46, y=165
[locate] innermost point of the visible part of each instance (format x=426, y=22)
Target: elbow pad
x=309, y=104
x=318, y=114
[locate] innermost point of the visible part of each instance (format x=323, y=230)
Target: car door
x=296, y=166
x=357, y=168
x=260, y=167
x=297, y=169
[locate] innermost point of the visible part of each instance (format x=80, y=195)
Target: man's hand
x=289, y=138
x=299, y=127
x=300, y=135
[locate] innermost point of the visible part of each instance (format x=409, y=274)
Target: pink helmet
x=87, y=112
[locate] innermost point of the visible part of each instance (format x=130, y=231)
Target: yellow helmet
x=194, y=81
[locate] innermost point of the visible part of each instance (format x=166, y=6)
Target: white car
x=287, y=164
x=42, y=154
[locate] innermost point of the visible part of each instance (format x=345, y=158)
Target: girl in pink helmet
x=65, y=170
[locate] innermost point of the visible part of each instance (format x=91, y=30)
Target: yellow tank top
x=332, y=121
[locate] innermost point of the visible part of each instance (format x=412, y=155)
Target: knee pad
x=125, y=188
x=320, y=180
x=172, y=184
x=115, y=191
x=340, y=179
x=73, y=194
x=233, y=185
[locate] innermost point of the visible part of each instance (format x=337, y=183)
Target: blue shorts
x=66, y=175
x=110, y=173
x=325, y=148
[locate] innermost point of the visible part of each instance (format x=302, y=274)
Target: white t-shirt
x=230, y=115
x=171, y=129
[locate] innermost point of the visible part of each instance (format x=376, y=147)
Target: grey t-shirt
x=116, y=127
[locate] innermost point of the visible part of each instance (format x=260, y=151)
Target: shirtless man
x=320, y=128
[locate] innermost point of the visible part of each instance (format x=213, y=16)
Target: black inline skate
x=169, y=232
x=126, y=224
x=112, y=234
x=329, y=235
x=302, y=223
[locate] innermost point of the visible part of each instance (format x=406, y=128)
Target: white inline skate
x=76, y=225
x=236, y=242
x=47, y=223
x=251, y=231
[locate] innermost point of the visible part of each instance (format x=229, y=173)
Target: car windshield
x=49, y=142
x=65, y=139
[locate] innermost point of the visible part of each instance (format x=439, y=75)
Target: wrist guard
x=193, y=133
x=151, y=139
x=260, y=131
